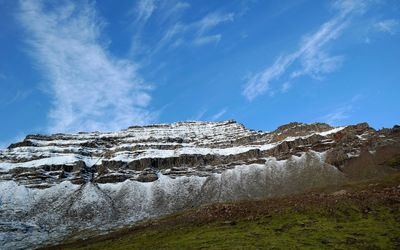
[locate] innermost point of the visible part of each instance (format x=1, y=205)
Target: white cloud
x=259, y=83
x=172, y=9
x=286, y=86
x=199, y=116
x=180, y=6
x=144, y=9
x=207, y=39
x=20, y=95
x=212, y=20
x=348, y=6
x=342, y=112
x=207, y=23
x=169, y=36
x=91, y=89
x=175, y=32
x=337, y=116
x=311, y=56
x=196, y=33
x=388, y=26
x=219, y=114
x=140, y=13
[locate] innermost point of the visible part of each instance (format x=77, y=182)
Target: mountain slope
x=52, y=186
x=363, y=215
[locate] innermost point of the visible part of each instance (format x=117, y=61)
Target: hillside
x=74, y=186
x=362, y=215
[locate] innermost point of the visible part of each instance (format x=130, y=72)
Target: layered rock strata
x=63, y=186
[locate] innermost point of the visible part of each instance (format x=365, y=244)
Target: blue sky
x=68, y=66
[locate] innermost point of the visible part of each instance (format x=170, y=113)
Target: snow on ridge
x=332, y=131
x=199, y=141
x=126, y=156
x=325, y=133
x=156, y=131
x=66, y=159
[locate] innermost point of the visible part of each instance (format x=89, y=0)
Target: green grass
x=344, y=228
x=395, y=162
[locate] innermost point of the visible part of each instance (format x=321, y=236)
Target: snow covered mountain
x=67, y=186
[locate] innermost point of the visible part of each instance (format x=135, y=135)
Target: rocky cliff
x=64, y=186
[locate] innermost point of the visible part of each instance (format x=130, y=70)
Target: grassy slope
x=366, y=216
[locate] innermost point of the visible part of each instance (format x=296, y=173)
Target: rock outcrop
x=66, y=186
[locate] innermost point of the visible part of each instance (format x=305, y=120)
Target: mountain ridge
x=95, y=182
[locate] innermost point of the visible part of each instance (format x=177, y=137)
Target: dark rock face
x=147, y=176
x=53, y=186
x=25, y=143
x=299, y=129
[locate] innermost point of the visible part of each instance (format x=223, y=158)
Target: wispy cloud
x=207, y=23
x=91, y=88
x=19, y=95
x=342, y=112
x=286, y=86
x=171, y=10
x=311, y=57
x=180, y=6
x=144, y=10
x=338, y=115
x=390, y=26
x=196, y=33
x=175, y=32
x=200, y=115
x=218, y=115
x=213, y=19
x=139, y=16
x=201, y=40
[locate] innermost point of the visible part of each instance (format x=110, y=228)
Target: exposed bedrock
x=67, y=186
